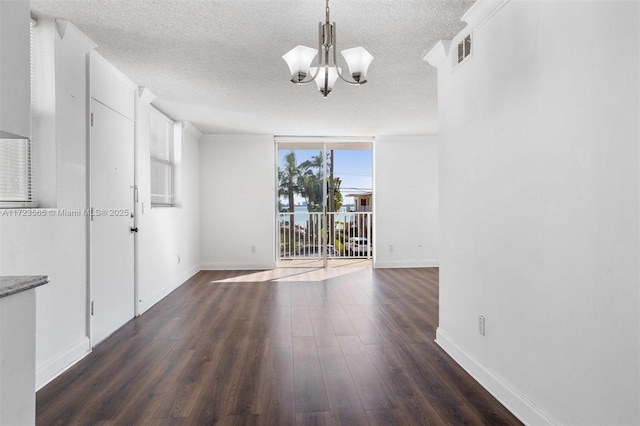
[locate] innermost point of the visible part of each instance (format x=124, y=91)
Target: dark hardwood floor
x=345, y=347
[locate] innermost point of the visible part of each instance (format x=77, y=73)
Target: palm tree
x=306, y=179
x=312, y=187
x=311, y=183
x=333, y=183
x=337, y=195
x=288, y=186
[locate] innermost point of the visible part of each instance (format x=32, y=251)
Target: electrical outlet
x=253, y=249
x=178, y=259
x=391, y=248
x=481, y=325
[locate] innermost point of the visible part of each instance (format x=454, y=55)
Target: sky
x=353, y=167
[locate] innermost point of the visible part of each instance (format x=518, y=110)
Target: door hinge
x=91, y=119
x=92, y=307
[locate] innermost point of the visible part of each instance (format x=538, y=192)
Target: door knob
x=132, y=229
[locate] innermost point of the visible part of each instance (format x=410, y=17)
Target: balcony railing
x=359, y=209
x=348, y=235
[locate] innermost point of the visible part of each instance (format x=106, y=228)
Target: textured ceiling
x=217, y=63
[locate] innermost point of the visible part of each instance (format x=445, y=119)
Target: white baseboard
x=407, y=264
x=190, y=273
x=147, y=303
x=54, y=367
x=521, y=406
x=235, y=266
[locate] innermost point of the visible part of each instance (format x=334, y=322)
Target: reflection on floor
x=226, y=349
x=331, y=263
x=292, y=274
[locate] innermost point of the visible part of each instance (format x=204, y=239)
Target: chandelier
x=327, y=72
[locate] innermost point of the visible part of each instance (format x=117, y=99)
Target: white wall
x=237, y=201
x=168, y=239
x=54, y=244
x=539, y=209
x=406, y=201
x=14, y=67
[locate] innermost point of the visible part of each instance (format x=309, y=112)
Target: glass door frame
x=324, y=144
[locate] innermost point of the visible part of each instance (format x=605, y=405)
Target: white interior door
x=112, y=240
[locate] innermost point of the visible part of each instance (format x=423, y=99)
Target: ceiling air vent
x=464, y=48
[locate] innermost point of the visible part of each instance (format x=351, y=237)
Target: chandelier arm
x=320, y=52
x=301, y=83
x=326, y=81
x=335, y=62
x=310, y=80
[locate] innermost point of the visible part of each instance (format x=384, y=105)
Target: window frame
x=162, y=161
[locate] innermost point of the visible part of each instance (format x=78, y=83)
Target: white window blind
x=161, y=146
x=15, y=170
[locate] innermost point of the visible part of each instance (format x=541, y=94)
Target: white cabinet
x=17, y=349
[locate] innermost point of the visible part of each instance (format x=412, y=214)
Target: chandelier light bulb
x=299, y=60
x=326, y=78
x=358, y=60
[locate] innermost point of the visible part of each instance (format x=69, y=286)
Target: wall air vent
x=464, y=48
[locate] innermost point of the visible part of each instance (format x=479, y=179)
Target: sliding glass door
x=321, y=221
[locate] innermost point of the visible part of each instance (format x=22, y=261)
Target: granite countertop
x=15, y=284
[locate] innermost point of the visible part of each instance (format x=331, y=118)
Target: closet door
x=112, y=236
